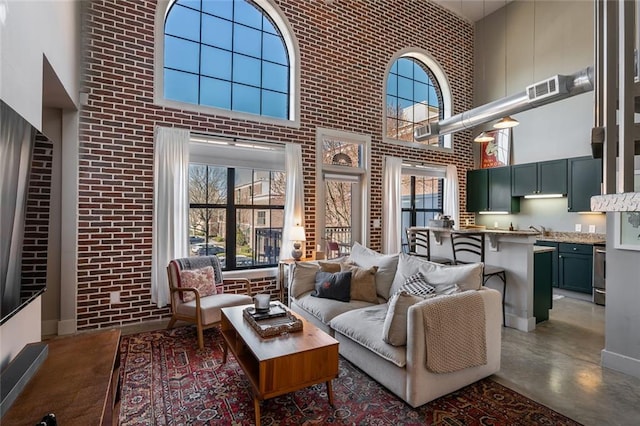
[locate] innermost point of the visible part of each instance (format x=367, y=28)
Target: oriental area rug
x=167, y=380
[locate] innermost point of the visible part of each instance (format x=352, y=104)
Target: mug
x=261, y=302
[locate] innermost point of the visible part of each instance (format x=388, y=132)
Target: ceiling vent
x=548, y=88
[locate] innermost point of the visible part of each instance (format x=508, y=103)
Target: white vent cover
x=423, y=132
x=547, y=88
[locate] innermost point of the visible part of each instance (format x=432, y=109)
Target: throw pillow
x=202, y=279
x=326, y=266
x=387, y=265
x=394, y=330
x=363, y=282
x=303, y=278
x=333, y=285
x=443, y=289
x=418, y=285
x=468, y=276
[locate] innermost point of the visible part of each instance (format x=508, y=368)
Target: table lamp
x=297, y=236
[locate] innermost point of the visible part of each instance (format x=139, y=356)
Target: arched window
x=416, y=94
x=226, y=54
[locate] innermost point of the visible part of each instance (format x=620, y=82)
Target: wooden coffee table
x=280, y=364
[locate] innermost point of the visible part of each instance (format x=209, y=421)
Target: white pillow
x=468, y=277
x=394, y=330
x=386, y=263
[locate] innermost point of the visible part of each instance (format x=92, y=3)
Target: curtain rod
x=236, y=139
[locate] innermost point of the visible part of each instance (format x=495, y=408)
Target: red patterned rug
x=166, y=380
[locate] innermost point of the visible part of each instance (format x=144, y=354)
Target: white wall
x=541, y=39
x=29, y=30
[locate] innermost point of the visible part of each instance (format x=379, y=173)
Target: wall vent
x=548, y=88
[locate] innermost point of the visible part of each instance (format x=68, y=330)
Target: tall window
x=414, y=97
x=421, y=200
x=226, y=54
x=342, y=165
x=236, y=214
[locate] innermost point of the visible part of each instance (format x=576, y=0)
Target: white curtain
x=392, y=205
x=170, y=206
x=16, y=147
x=294, y=196
x=451, y=205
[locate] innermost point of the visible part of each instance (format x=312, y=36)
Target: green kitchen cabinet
x=478, y=190
x=584, y=179
x=490, y=190
x=545, y=177
x=542, y=293
x=575, y=267
x=554, y=260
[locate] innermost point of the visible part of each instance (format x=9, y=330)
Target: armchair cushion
x=202, y=279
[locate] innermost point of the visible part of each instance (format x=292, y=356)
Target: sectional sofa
x=386, y=335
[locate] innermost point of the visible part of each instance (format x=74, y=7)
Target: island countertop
x=551, y=236
x=472, y=230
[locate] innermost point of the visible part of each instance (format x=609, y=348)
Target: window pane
x=181, y=54
x=247, y=40
x=183, y=22
x=215, y=93
x=275, y=77
x=268, y=237
x=247, y=14
x=392, y=85
x=274, y=104
x=243, y=187
x=245, y=238
x=419, y=73
x=221, y=8
x=268, y=26
x=216, y=31
x=405, y=67
x=433, y=97
x=207, y=184
x=392, y=107
x=181, y=86
x=405, y=88
x=246, y=70
x=341, y=153
x=338, y=197
x=261, y=187
x=392, y=128
x=216, y=63
x=246, y=99
x=193, y=4
x=420, y=92
x=273, y=49
x=278, y=188
x=405, y=130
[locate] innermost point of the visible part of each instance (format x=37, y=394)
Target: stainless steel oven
x=599, y=273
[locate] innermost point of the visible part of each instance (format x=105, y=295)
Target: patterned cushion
x=202, y=279
x=418, y=285
x=333, y=286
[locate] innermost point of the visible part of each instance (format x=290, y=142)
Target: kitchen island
x=512, y=250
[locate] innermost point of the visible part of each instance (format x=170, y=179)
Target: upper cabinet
x=490, y=190
x=543, y=178
x=584, y=178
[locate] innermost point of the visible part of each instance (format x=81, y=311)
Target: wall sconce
x=298, y=236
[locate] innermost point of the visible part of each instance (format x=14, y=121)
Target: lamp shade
x=506, y=122
x=484, y=137
x=297, y=234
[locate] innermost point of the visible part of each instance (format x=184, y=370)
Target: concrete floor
x=558, y=365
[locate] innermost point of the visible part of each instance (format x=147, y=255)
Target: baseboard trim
x=67, y=327
x=621, y=363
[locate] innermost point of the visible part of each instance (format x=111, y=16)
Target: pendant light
x=508, y=121
x=484, y=137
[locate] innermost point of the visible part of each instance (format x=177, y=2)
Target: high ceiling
x=472, y=10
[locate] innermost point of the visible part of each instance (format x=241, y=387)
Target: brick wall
x=36, y=225
x=345, y=47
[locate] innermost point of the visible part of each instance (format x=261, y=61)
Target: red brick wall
x=345, y=47
x=36, y=225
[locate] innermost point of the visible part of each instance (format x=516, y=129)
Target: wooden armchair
x=188, y=304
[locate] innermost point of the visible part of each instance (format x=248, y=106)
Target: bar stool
x=422, y=239
x=473, y=243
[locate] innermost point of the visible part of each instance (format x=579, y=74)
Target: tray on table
x=276, y=321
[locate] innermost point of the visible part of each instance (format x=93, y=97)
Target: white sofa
x=358, y=325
